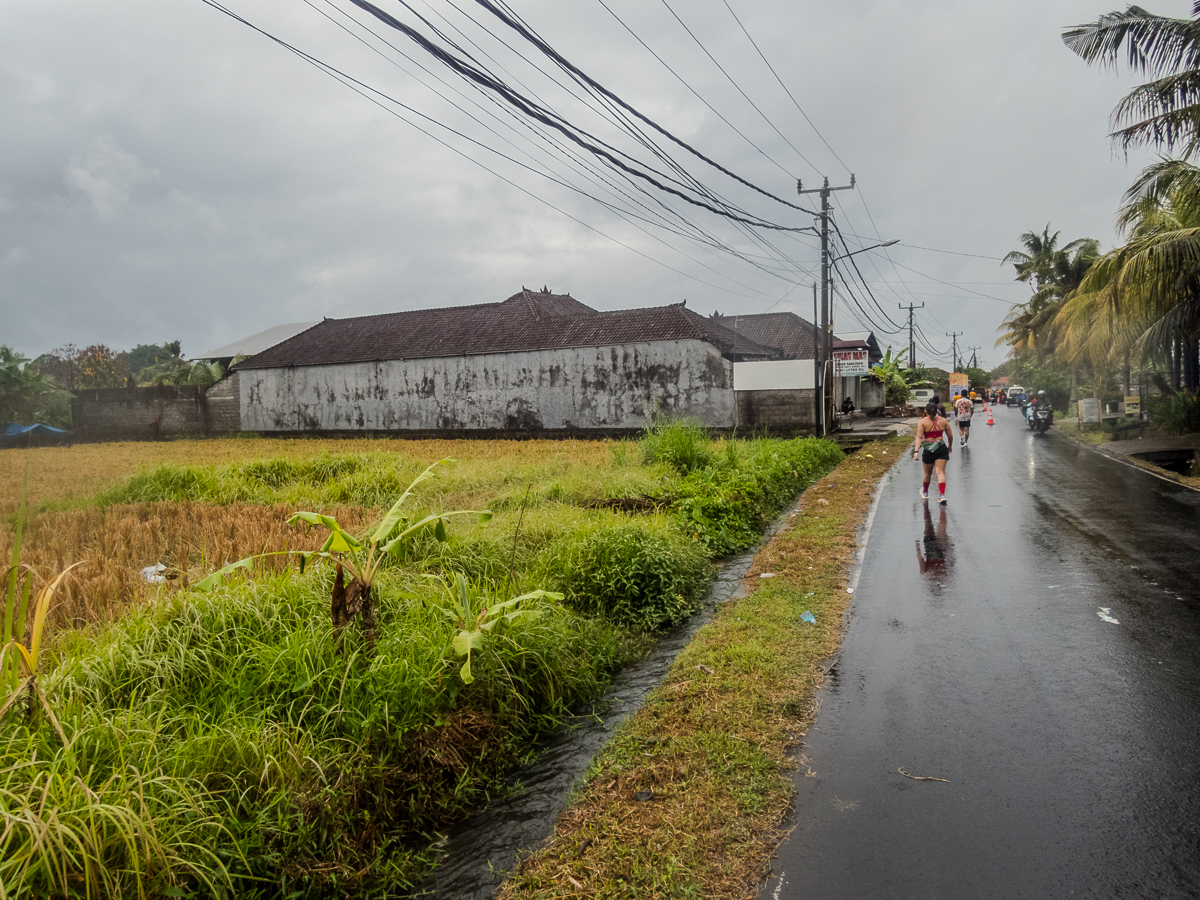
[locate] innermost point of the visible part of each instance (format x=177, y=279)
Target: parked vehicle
x=1016, y=394
x=920, y=396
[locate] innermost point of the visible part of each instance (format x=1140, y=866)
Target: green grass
x=375, y=478
x=220, y=746
x=227, y=721
x=714, y=742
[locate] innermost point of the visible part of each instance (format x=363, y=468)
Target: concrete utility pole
x=826, y=353
x=818, y=408
x=912, y=349
x=973, y=349
x=953, y=335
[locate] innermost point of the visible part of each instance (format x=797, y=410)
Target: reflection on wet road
x=933, y=558
x=1043, y=657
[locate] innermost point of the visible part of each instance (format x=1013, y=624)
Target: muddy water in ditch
x=477, y=855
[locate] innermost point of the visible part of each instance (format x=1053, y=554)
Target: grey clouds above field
x=168, y=173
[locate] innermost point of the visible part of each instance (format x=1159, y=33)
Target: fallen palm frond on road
x=689, y=800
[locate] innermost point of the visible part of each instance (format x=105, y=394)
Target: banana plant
x=18, y=655
x=475, y=620
x=18, y=660
x=360, y=557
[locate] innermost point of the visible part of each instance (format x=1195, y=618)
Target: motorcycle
x=1043, y=418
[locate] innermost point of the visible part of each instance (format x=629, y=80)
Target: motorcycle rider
x=1041, y=404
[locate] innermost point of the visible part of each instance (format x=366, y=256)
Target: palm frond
x=1153, y=43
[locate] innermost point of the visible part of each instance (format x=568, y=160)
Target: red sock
x=925, y=487
x=942, y=488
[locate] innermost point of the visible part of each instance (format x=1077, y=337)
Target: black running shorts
x=942, y=452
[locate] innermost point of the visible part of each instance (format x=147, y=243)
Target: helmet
x=1041, y=393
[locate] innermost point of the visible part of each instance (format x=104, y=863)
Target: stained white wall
x=775, y=375
x=588, y=388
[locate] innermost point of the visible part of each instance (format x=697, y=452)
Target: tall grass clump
x=641, y=574
x=366, y=479
x=219, y=743
x=727, y=505
x=681, y=443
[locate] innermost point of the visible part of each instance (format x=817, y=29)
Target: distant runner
x=963, y=410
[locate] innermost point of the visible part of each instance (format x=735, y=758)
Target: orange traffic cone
x=990, y=422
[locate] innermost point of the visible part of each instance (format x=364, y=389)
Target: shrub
x=727, y=506
x=680, y=443
x=642, y=574
x=1178, y=414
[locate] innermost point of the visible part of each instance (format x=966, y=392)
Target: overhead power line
x=952, y=252
x=377, y=97
x=551, y=53
x=786, y=90
x=529, y=107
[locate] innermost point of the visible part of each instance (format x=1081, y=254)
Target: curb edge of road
x=862, y=537
x=1119, y=457
x=864, y=532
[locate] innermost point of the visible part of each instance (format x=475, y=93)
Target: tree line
x=39, y=389
x=1092, y=316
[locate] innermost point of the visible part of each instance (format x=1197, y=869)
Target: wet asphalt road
x=976, y=653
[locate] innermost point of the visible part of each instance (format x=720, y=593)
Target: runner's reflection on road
x=936, y=557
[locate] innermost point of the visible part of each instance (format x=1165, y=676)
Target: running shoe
x=942, y=500
x=924, y=494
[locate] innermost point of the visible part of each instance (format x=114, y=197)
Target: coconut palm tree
x=1155, y=278
x=1143, y=299
x=1165, y=111
x=1054, y=273
x=1033, y=263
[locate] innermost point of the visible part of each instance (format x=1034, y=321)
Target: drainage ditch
x=477, y=855
x=1181, y=462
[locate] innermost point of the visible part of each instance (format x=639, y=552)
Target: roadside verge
x=1122, y=452
x=689, y=799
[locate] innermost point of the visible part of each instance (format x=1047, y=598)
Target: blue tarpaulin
x=15, y=434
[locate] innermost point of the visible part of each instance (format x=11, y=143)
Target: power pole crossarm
x=953, y=335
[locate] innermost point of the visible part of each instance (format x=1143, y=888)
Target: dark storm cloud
x=167, y=173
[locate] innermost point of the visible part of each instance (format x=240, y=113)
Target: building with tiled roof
x=537, y=362
x=524, y=322
x=794, y=337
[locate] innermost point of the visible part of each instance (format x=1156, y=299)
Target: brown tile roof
x=529, y=320
x=785, y=331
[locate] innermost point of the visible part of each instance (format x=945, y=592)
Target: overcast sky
x=168, y=173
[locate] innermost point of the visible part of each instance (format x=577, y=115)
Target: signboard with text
x=847, y=363
x=958, y=382
x=1133, y=407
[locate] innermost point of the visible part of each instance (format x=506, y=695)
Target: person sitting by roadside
x=847, y=406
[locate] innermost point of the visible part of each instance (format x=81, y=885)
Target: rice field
x=235, y=741
x=191, y=506
x=61, y=475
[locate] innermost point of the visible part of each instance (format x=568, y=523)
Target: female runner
x=933, y=443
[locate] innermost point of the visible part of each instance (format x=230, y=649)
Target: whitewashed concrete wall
x=579, y=388
x=775, y=375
